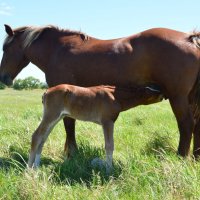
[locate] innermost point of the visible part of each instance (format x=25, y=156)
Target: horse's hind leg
x=196, y=148
x=70, y=143
x=181, y=109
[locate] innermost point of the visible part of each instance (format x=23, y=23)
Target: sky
x=105, y=19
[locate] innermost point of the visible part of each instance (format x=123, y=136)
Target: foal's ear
x=8, y=30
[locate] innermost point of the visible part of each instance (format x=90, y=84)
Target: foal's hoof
x=96, y=162
x=101, y=164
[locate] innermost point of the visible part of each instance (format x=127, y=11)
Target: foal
x=100, y=104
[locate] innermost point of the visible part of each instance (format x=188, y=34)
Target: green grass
x=145, y=162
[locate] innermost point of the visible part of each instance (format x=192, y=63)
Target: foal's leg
x=196, y=148
x=183, y=114
x=108, y=127
x=39, y=137
x=70, y=143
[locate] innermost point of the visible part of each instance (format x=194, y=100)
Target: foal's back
x=88, y=104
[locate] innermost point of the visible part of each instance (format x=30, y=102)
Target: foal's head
x=149, y=95
x=13, y=60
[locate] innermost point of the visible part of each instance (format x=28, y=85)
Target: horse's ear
x=8, y=30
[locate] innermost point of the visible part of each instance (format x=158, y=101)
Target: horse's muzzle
x=7, y=80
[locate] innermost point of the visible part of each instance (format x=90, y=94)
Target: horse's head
x=13, y=60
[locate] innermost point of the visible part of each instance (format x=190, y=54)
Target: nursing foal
x=100, y=104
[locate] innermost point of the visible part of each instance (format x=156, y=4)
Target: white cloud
x=5, y=9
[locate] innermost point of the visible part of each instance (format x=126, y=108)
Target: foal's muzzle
x=156, y=93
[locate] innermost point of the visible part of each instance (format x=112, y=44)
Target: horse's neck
x=39, y=54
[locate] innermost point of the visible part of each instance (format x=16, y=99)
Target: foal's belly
x=89, y=116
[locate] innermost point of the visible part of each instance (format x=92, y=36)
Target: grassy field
x=145, y=162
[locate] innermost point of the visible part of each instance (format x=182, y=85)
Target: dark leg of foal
x=196, y=148
x=184, y=117
x=70, y=143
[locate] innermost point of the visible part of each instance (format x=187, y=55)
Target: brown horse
x=168, y=58
x=100, y=104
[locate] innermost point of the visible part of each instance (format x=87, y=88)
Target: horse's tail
x=194, y=97
x=195, y=39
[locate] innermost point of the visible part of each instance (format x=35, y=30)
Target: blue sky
x=103, y=19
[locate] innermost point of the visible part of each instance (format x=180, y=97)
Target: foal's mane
x=32, y=33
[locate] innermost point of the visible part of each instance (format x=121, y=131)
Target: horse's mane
x=32, y=33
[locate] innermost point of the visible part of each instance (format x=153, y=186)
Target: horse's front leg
x=185, y=120
x=70, y=143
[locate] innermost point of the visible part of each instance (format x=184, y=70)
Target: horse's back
x=164, y=56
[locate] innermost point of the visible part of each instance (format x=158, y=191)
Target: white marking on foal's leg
x=31, y=160
x=109, y=159
x=37, y=160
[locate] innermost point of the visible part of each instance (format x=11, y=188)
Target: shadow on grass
x=75, y=170
x=159, y=145
x=79, y=169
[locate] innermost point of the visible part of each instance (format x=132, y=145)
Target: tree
x=18, y=84
x=28, y=83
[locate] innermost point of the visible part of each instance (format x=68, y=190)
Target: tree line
x=28, y=83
